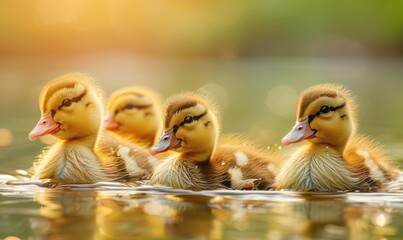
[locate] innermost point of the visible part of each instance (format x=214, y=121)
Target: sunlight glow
x=58, y=12
x=281, y=101
x=217, y=92
x=22, y=172
x=380, y=220
x=12, y=238
x=153, y=208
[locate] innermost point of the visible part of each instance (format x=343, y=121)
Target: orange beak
x=45, y=126
x=110, y=123
x=166, y=142
x=299, y=132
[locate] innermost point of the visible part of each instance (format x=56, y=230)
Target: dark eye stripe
x=194, y=118
x=325, y=109
x=74, y=99
x=131, y=106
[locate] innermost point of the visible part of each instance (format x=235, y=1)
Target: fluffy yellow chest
x=173, y=173
x=70, y=163
x=177, y=173
x=321, y=170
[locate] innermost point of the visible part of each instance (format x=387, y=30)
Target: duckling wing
x=369, y=161
x=125, y=157
x=246, y=166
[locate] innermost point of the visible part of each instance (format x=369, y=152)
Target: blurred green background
x=252, y=57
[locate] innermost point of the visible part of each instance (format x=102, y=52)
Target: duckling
x=134, y=114
x=335, y=158
x=203, y=162
x=72, y=112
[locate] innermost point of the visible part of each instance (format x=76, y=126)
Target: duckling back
x=130, y=161
x=244, y=165
x=369, y=162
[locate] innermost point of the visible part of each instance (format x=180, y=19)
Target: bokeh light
x=281, y=100
x=6, y=137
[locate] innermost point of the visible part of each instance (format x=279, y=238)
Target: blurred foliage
x=203, y=28
x=254, y=57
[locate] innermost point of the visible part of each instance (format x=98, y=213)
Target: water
x=144, y=212
x=119, y=212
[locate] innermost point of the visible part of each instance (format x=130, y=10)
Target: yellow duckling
x=335, y=158
x=134, y=114
x=72, y=111
x=192, y=130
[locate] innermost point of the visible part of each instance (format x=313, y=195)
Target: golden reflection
x=312, y=219
x=11, y=238
x=84, y=214
x=380, y=219
x=139, y=216
x=65, y=214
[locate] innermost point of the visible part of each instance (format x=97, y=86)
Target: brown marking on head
x=177, y=106
x=65, y=81
x=323, y=90
x=184, y=101
x=139, y=92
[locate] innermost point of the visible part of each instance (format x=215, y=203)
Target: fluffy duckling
x=72, y=111
x=335, y=158
x=134, y=114
x=192, y=130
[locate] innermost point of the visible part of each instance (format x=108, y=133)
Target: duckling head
x=326, y=115
x=191, y=127
x=70, y=107
x=134, y=111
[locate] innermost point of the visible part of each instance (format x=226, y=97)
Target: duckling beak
x=110, y=123
x=299, y=132
x=45, y=126
x=166, y=142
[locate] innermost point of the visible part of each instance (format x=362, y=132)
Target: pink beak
x=167, y=142
x=110, y=123
x=299, y=132
x=45, y=126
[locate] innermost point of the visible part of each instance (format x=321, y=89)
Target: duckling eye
x=67, y=102
x=188, y=119
x=129, y=106
x=325, y=109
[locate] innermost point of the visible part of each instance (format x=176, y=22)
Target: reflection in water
x=155, y=213
x=65, y=215
x=147, y=216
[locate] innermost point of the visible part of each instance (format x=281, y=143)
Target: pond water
x=116, y=211
x=144, y=212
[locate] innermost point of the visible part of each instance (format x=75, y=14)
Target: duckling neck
x=196, y=156
x=147, y=140
x=88, y=141
x=314, y=147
